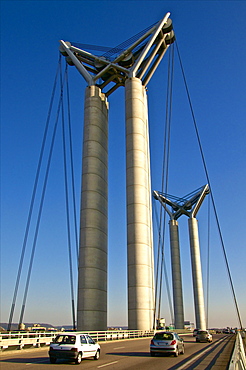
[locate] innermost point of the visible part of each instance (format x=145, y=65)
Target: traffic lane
x=194, y=348
x=24, y=359
x=128, y=354
x=39, y=357
x=136, y=355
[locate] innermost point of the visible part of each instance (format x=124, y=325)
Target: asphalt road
x=129, y=354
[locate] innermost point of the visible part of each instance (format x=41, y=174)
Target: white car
x=73, y=347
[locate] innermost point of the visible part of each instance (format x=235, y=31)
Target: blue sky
x=211, y=39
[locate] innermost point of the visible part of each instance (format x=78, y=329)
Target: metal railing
x=238, y=359
x=19, y=340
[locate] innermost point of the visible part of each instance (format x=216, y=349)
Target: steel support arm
x=77, y=64
x=136, y=66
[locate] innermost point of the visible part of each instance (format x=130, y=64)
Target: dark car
x=195, y=332
x=166, y=342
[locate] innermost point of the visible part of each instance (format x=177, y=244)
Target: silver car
x=204, y=336
x=166, y=342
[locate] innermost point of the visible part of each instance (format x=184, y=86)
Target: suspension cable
x=208, y=260
x=72, y=170
x=165, y=172
x=67, y=203
x=40, y=211
x=165, y=269
x=167, y=150
x=212, y=197
x=33, y=198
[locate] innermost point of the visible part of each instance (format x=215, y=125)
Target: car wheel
x=97, y=355
x=152, y=354
x=52, y=360
x=176, y=352
x=79, y=358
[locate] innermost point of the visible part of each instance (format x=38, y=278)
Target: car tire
x=52, y=360
x=152, y=354
x=79, y=358
x=97, y=355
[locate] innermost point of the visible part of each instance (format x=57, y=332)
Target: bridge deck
x=216, y=357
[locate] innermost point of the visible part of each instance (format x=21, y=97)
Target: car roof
x=71, y=333
x=165, y=332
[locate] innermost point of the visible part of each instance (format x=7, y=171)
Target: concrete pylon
x=197, y=274
x=92, y=275
x=188, y=205
x=139, y=226
x=178, y=304
x=132, y=68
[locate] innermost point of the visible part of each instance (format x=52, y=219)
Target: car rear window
x=161, y=336
x=202, y=332
x=65, y=339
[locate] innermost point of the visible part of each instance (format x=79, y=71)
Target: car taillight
x=152, y=342
x=173, y=342
x=74, y=349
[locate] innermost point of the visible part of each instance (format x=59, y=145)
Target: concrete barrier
x=238, y=359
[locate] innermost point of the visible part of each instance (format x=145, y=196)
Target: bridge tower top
x=188, y=205
x=139, y=59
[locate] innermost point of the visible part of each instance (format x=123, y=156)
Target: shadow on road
x=24, y=360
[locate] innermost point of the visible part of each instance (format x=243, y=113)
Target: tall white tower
x=188, y=205
x=132, y=68
x=178, y=304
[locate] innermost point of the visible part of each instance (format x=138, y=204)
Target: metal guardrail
x=19, y=340
x=238, y=359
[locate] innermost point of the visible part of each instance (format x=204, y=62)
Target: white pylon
x=178, y=304
x=92, y=273
x=188, y=205
x=132, y=68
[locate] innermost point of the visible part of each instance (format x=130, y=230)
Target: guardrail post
x=21, y=344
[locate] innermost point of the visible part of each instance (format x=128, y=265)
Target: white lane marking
x=118, y=347
x=110, y=363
